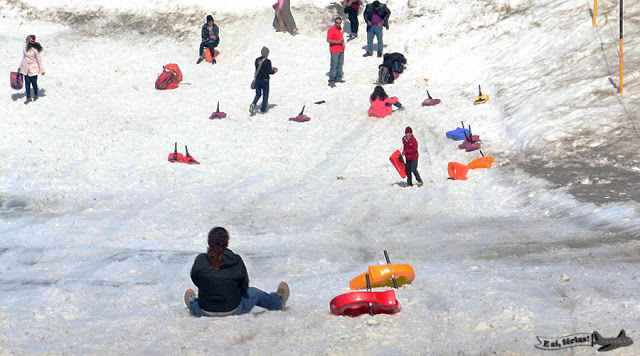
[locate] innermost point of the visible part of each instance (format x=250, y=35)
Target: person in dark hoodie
x=261, y=76
x=376, y=15
x=223, y=283
x=210, y=39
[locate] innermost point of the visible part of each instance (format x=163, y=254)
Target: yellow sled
x=481, y=98
x=380, y=276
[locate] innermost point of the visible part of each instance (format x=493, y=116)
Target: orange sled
x=381, y=276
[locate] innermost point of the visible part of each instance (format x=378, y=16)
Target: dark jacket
x=383, y=11
x=390, y=60
x=206, y=35
x=220, y=290
x=265, y=70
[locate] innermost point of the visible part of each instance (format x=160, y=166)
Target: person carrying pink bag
x=31, y=66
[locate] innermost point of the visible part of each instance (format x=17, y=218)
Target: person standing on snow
x=410, y=151
x=335, y=39
x=381, y=103
x=283, y=19
x=351, y=8
x=263, y=69
x=376, y=15
x=31, y=66
x=210, y=39
x=223, y=283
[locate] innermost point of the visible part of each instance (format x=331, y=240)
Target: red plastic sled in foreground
x=398, y=162
x=357, y=303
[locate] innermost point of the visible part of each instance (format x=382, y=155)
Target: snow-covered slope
x=98, y=231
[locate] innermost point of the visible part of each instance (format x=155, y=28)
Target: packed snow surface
x=98, y=231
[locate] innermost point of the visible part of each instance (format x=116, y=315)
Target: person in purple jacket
x=223, y=283
x=376, y=15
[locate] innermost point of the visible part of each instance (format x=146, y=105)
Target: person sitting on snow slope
x=210, y=38
x=381, y=103
x=223, y=283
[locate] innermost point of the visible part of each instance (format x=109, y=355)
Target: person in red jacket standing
x=410, y=151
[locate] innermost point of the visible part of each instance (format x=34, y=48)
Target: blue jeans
x=337, y=60
x=31, y=81
x=412, y=167
x=374, y=31
x=262, y=88
x=252, y=297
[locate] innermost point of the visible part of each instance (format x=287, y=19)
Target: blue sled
x=458, y=134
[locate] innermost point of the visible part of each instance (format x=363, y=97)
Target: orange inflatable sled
x=482, y=162
x=457, y=171
x=381, y=276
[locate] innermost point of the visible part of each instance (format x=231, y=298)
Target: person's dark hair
x=379, y=93
x=337, y=18
x=35, y=45
x=218, y=241
x=376, y=4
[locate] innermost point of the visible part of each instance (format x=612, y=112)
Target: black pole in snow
x=369, y=290
x=393, y=277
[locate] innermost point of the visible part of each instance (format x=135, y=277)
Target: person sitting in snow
x=223, y=283
x=210, y=39
x=410, y=151
x=31, y=66
x=381, y=103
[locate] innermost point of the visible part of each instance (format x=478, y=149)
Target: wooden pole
x=621, y=51
x=595, y=11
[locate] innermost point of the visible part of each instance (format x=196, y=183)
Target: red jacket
x=410, y=148
x=381, y=108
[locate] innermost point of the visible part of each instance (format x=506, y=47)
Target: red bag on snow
x=16, y=80
x=170, y=77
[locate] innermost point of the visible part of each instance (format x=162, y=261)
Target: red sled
x=430, y=101
x=398, y=162
x=217, y=114
x=358, y=303
x=301, y=117
x=471, y=142
x=176, y=157
x=16, y=80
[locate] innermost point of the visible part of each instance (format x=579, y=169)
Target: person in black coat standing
x=223, y=283
x=263, y=70
x=376, y=15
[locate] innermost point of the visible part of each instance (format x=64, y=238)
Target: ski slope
x=98, y=231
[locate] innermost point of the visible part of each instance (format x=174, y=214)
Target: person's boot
x=189, y=296
x=199, y=60
x=27, y=101
x=283, y=292
x=368, y=54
